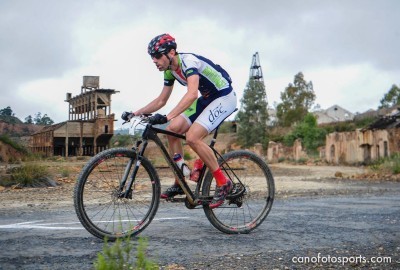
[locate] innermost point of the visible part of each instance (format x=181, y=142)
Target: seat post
x=214, y=139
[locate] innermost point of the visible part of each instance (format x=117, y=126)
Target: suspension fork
x=132, y=162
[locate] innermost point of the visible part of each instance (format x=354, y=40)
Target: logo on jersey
x=216, y=113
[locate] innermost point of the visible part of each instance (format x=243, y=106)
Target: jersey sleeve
x=191, y=71
x=169, y=79
x=191, y=65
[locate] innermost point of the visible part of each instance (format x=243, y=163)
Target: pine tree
x=253, y=115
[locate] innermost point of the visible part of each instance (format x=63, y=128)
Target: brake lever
x=143, y=118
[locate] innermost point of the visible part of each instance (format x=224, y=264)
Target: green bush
x=387, y=165
x=311, y=136
x=7, y=140
x=32, y=175
x=65, y=172
x=118, y=256
x=301, y=161
x=394, y=163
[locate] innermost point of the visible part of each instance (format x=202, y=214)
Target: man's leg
x=194, y=137
x=178, y=125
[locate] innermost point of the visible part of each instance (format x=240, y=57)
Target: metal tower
x=255, y=69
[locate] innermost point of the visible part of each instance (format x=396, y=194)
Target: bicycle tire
x=101, y=211
x=242, y=215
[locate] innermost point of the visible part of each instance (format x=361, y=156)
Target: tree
x=253, y=115
x=7, y=111
x=297, y=100
x=38, y=118
x=46, y=120
x=42, y=120
x=29, y=119
x=391, y=98
x=311, y=136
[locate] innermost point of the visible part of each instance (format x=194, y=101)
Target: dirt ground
x=290, y=180
x=307, y=219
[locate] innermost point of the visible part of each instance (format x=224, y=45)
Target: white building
x=334, y=113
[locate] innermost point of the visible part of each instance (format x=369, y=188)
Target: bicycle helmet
x=161, y=44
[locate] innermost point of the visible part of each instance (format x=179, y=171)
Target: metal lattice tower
x=255, y=69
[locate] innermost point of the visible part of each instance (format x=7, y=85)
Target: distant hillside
x=10, y=119
x=9, y=153
x=14, y=127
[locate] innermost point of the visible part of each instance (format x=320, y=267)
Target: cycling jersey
x=214, y=80
x=217, y=100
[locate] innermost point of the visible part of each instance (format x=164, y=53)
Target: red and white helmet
x=161, y=44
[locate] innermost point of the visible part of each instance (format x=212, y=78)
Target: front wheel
x=99, y=205
x=253, y=193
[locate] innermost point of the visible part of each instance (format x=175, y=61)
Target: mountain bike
x=117, y=193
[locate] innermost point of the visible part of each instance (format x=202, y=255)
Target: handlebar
x=143, y=118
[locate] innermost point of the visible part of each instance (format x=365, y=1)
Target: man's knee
x=178, y=125
x=191, y=139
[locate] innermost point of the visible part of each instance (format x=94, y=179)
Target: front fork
x=127, y=193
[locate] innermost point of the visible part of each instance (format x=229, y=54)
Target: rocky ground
x=292, y=182
x=289, y=181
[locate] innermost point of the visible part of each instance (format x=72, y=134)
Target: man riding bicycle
x=193, y=115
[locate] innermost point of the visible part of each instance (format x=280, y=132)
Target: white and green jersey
x=214, y=80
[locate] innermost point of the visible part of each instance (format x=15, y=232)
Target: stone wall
x=361, y=146
x=278, y=151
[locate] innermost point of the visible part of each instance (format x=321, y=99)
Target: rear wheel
x=97, y=196
x=252, y=195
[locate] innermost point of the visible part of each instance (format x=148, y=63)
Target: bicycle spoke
x=99, y=203
x=254, y=182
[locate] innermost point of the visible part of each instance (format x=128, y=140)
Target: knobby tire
x=98, y=205
x=243, y=214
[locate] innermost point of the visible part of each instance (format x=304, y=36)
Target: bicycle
x=117, y=193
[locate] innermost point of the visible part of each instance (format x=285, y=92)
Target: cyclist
x=193, y=115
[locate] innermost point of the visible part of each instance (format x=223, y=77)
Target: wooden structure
x=89, y=128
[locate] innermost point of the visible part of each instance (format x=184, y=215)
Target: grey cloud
x=38, y=41
x=35, y=41
x=318, y=33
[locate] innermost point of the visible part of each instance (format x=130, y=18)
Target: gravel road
x=317, y=221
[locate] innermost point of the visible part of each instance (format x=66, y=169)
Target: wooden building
x=89, y=128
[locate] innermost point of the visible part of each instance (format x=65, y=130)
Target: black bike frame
x=150, y=133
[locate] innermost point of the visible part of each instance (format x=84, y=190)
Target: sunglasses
x=156, y=55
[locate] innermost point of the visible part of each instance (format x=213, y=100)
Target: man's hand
x=126, y=116
x=158, y=119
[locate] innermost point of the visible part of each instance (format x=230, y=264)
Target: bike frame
x=151, y=134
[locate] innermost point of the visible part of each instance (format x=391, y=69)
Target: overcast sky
x=349, y=49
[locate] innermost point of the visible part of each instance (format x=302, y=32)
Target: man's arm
x=188, y=98
x=157, y=103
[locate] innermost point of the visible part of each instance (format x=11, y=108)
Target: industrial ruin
x=89, y=128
